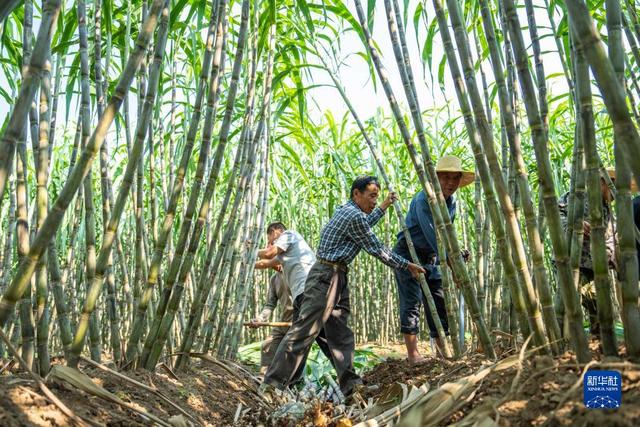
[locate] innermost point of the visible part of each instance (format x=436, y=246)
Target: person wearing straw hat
x=587, y=286
x=420, y=225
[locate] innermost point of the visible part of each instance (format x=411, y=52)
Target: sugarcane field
x=329, y=213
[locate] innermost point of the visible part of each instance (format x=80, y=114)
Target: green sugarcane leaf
x=107, y=14
x=441, y=70
x=371, y=8
x=176, y=10
x=428, y=47
x=417, y=14
x=69, y=29
x=304, y=8
x=297, y=162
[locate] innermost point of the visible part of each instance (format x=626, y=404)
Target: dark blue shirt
x=422, y=228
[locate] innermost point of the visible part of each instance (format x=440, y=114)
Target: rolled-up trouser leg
x=322, y=290
x=409, y=297
x=270, y=346
x=435, y=287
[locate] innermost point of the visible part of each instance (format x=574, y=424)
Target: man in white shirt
x=288, y=249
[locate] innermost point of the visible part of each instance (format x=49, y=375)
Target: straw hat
x=453, y=164
x=612, y=175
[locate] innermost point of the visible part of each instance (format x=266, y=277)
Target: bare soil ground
x=545, y=391
x=542, y=391
x=208, y=392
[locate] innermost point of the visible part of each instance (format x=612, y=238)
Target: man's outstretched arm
x=269, y=252
x=266, y=263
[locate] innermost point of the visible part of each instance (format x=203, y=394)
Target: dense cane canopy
x=146, y=145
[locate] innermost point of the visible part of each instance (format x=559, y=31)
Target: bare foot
x=416, y=360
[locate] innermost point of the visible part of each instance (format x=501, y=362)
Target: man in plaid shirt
x=326, y=295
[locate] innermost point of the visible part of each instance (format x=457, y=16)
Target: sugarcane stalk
x=550, y=200
x=513, y=139
x=576, y=199
x=30, y=81
x=260, y=193
x=431, y=186
x=627, y=259
x=588, y=38
x=539, y=67
x=27, y=321
x=481, y=139
x=105, y=186
x=27, y=266
x=176, y=193
x=561, y=53
x=123, y=193
x=633, y=44
x=210, y=275
x=249, y=259
x=41, y=157
x=89, y=215
x=596, y=220
x=183, y=260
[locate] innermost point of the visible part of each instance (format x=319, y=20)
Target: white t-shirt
x=297, y=259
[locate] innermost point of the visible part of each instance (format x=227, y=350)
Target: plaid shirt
x=348, y=231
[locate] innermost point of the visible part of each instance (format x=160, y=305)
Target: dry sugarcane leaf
x=397, y=397
x=414, y=395
x=153, y=389
x=18, y=380
x=84, y=383
x=392, y=396
x=436, y=405
x=505, y=363
x=81, y=381
x=486, y=422
x=444, y=401
x=233, y=372
x=169, y=371
x=478, y=414
x=179, y=421
x=8, y=366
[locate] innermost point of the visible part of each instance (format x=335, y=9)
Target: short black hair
x=275, y=226
x=362, y=182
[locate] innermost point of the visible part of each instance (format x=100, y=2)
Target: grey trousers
x=321, y=340
x=270, y=346
x=325, y=305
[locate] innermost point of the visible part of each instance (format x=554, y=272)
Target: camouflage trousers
x=588, y=301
